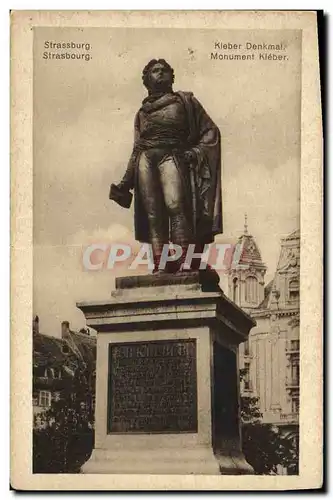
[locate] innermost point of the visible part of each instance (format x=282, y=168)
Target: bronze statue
x=174, y=169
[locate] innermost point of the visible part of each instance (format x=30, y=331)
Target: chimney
x=35, y=325
x=65, y=329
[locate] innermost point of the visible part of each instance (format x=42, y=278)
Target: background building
x=57, y=361
x=271, y=357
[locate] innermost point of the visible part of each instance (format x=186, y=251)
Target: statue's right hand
x=120, y=195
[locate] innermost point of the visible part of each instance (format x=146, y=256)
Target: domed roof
x=246, y=250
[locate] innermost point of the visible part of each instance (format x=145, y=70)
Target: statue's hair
x=147, y=68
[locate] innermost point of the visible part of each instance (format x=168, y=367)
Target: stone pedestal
x=167, y=381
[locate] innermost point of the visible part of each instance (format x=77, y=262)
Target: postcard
x=166, y=221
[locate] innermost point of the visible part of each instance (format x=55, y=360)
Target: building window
x=235, y=289
x=251, y=290
x=45, y=399
x=295, y=372
x=294, y=345
x=246, y=378
x=295, y=405
x=246, y=348
x=294, y=291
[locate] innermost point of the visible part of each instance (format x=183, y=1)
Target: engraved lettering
x=153, y=387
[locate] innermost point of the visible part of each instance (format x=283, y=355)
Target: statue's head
x=158, y=76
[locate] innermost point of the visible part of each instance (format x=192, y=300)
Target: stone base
x=198, y=460
x=160, y=461
x=187, y=309
x=205, y=280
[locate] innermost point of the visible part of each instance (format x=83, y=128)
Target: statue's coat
x=206, y=203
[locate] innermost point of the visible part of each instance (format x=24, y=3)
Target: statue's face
x=160, y=76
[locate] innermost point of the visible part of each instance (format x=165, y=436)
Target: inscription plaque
x=153, y=386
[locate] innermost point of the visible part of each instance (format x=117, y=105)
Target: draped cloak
x=201, y=179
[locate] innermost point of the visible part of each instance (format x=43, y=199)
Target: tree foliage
x=63, y=436
x=264, y=445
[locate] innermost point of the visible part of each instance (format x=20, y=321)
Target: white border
x=311, y=259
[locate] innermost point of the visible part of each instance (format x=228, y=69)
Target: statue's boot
x=196, y=261
x=156, y=270
x=181, y=234
x=170, y=266
x=179, y=263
